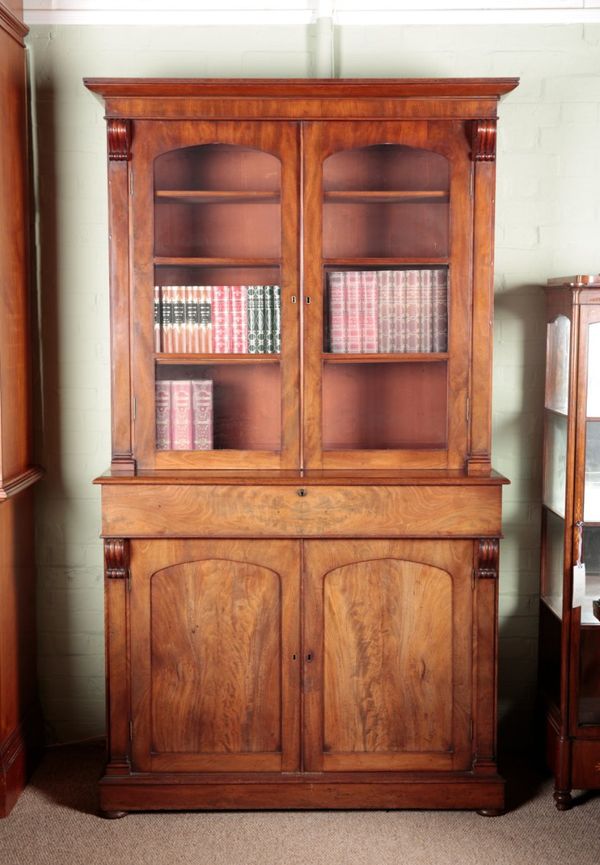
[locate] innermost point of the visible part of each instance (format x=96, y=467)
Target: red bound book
x=337, y=312
x=354, y=318
x=369, y=311
x=221, y=308
x=205, y=316
x=178, y=318
x=385, y=311
x=399, y=313
x=181, y=416
x=440, y=310
x=163, y=415
x=239, y=319
x=202, y=411
x=426, y=310
x=412, y=310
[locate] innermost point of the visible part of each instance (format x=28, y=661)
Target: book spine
x=256, y=324
x=354, y=316
x=426, y=317
x=191, y=320
x=163, y=415
x=165, y=318
x=178, y=318
x=157, y=328
x=440, y=310
x=202, y=411
x=268, y=319
x=369, y=308
x=205, y=316
x=238, y=319
x=385, y=311
x=277, y=318
x=181, y=416
x=337, y=312
x=221, y=306
x=412, y=311
x=399, y=311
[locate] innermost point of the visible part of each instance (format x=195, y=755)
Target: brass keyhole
x=302, y=492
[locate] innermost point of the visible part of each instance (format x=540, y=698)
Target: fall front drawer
x=229, y=510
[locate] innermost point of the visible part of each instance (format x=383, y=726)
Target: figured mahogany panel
x=213, y=638
x=216, y=657
x=301, y=510
x=387, y=685
x=380, y=692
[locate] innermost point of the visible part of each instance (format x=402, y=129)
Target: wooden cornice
x=12, y=25
x=20, y=482
x=301, y=87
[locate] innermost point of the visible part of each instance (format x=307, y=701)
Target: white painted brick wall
x=548, y=221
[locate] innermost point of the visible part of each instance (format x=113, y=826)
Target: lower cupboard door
x=387, y=655
x=214, y=628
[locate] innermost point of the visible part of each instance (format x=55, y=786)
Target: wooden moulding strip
x=20, y=482
x=314, y=792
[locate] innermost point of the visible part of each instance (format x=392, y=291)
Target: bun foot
x=491, y=812
x=113, y=815
x=563, y=800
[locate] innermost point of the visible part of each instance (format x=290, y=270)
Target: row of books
x=184, y=415
x=217, y=319
x=385, y=311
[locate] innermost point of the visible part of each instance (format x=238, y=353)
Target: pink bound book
x=222, y=318
x=239, y=319
x=369, y=311
x=181, y=416
x=353, y=311
x=163, y=415
x=337, y=312
x=202, y=410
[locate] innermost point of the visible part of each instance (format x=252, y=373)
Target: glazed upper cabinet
x=346, y=261
x=301, y=521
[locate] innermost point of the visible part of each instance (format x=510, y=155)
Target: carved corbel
x=119, y=140
x=116, y=558
x=487, y=559
x=483, y=140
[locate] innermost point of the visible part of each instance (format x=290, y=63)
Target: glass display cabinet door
x=386, y=262
x=586, y=588
x=556, y=521
x=215, y=268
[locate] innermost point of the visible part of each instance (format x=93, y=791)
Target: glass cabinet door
x=386, y=278
x=556, y=407
x=587, y=589
x=216, y=351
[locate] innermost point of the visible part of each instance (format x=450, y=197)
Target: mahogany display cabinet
x=569, y=671
x=301, y=521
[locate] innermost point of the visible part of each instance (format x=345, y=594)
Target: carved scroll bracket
x=483, y=140
x=119, y=140
x=487, y=559
x=116, y=558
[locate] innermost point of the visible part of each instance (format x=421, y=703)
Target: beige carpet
x=54, y=823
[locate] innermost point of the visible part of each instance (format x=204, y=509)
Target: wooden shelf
x=164, y=359
x=406, y=357
x=387, y=196
x=185, y=261
x=384, y=262
x=210, y=196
